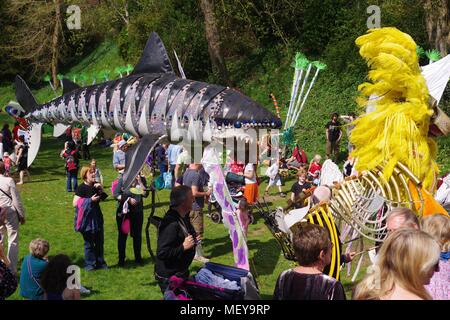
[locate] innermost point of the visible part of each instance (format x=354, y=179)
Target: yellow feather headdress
x=396, y=126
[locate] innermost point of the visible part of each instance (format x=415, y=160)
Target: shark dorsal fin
x=154, y=59
x=69, y=86
x=24, y=95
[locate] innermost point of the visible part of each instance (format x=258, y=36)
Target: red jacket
x=314, y=169
x=300, y=155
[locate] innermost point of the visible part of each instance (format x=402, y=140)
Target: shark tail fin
x=24, y=95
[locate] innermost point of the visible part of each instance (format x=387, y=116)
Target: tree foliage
x=251, y=32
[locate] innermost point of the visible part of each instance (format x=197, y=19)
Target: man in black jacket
x=176, y=239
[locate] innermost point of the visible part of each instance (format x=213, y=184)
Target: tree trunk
x=437, y=24
x=55, y=40
x=212, y=36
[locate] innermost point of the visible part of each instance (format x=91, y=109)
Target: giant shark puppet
x=148, y=103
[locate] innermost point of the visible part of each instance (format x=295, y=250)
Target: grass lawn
x=50, y=216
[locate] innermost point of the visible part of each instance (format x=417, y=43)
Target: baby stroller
x=235, y=185
x=197, y=289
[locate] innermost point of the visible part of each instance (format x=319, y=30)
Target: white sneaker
x=84, y=290
x=201, y=259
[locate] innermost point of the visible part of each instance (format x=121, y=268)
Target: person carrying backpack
x=71, y=156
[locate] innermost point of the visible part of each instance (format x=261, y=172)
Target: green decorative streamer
x=420, y=52
x=104, y=74
x=128, y=69
x=118, y=71
x=319, y=65
x=433, y=55
x=83, y=78
x=288, y=138
x=301, y=62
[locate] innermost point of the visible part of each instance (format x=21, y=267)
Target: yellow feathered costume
x=396, y=127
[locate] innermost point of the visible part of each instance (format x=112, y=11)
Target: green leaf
x=433, y=55
x=47, y=77
x=60, y=76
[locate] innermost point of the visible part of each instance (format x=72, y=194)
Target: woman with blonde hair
x=438, y=226
x=406, y=262
x=33, y=266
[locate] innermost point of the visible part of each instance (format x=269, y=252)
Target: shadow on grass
x=266, y=256
x=264, y=259
x=45, y=180
x=131, y=264
x=161, y=204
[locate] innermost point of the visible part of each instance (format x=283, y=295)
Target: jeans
x=93, y=249
x=172, y=170
x=162, y=168
x=136, y=222
x=72, y=180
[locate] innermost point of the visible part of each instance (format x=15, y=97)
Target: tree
x=36, y=35
x=121, y=9
x=213, y=38
x=437, y=24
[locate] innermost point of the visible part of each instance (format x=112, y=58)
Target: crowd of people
x=412, y=263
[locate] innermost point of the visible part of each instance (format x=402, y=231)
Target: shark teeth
x=191, y=133
x=207, y=132
x=175, y=129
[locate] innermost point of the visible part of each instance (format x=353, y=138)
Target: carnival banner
x=212, y=166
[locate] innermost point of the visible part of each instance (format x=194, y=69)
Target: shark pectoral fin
x=59, y=129
x=35, y=141
x=92, y=132
x=137, y=155
x=154, y=58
